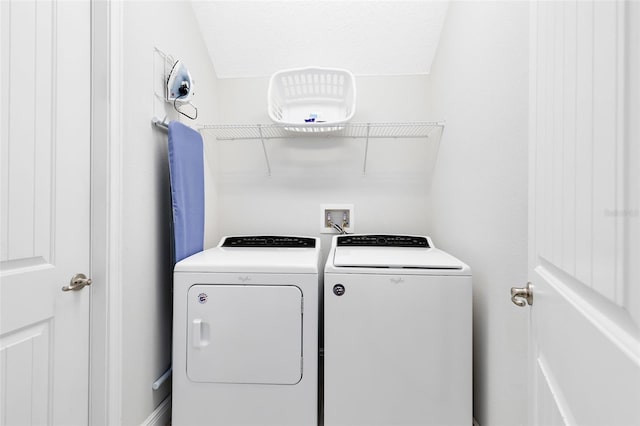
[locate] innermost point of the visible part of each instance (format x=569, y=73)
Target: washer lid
x=395, y=257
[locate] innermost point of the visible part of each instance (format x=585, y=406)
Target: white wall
x=392, y=197
x=479, y=195
x=146, y=267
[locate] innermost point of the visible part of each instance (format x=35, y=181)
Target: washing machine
x=245, y=333
x=397, y=333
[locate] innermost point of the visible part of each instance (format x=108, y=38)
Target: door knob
x=521, y=296
x=78, y=282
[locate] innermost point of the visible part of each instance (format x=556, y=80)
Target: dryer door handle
x=200, y=333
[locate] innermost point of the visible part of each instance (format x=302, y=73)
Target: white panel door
x=44, y=211
x=584, y=217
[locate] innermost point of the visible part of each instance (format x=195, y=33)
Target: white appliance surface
x=245, y=335
x=397, y=340
x=252, y=259
x=396, y=257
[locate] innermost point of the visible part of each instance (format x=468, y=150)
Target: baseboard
x=475, y=422
x=161, y=416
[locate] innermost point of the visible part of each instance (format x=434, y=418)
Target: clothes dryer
x=397, y=333
x=245, y=334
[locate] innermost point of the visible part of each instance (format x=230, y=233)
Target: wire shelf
x=366, y=131
x=226, y=132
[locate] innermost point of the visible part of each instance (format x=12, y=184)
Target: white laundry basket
x=312, y=99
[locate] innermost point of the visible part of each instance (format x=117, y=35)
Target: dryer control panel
x=269, y=241
x=382, y=241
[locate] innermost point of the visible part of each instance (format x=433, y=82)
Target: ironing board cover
x=186, y=169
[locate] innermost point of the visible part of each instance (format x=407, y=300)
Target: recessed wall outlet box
x=336, y=214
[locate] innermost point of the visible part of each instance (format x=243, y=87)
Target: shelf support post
x=264, y=149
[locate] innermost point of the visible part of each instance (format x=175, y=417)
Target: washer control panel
x=382, y=241
x=269, y=241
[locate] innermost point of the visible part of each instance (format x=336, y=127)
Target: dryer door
x=244, y=334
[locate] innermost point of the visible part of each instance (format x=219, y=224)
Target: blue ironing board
x=186, y=169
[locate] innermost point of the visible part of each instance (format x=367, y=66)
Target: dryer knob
x=338, y=289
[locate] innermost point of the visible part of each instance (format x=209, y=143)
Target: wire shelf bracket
x=264, y=149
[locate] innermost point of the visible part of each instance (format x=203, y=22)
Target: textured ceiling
x=257, y=38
